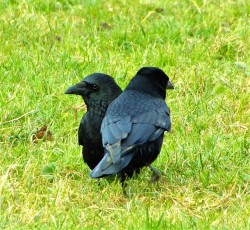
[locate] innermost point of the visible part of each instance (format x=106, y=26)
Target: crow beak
x=71, y=90
x=78, y=89
x=170, y=85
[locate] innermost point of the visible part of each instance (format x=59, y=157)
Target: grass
x=203, y=46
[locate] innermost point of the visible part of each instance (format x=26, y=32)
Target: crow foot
x=156, y=174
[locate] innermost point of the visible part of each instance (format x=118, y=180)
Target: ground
x=203, y=46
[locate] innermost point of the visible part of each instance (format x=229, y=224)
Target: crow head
x=96, y=87
x=151, y=80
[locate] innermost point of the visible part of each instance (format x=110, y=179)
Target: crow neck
x=97, y=106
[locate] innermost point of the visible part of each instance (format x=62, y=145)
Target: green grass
x=46, y=46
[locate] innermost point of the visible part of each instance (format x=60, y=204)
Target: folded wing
x=121, y=134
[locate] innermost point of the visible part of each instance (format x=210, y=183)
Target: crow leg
x=156, y=174
x=137, y=171
x=122, y=178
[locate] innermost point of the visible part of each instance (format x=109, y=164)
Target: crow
x=98, y=90
x=134, y=124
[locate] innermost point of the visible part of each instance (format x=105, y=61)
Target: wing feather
x=121, y=134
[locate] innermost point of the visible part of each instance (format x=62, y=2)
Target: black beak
x=71, y=90
x=78, y=89
x=170, y=85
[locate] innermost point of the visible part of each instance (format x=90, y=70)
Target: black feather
x=98, y=91
x=134, y=124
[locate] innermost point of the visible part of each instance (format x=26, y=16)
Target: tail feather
x=107, y=167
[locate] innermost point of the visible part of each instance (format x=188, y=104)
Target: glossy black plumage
x=98, y=91
x=134, y=124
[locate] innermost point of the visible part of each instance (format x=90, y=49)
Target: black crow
x=98, y=90
x=134, y=124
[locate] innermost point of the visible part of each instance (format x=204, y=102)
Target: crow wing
x=120, y=134
x=81, y=134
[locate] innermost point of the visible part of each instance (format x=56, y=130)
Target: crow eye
x=94, y=86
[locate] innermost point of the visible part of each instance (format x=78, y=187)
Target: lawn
x=203, y=46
